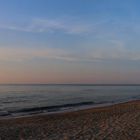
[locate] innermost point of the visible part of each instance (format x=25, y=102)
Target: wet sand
x=116, y=122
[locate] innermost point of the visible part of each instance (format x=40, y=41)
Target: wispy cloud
x=49, y=25
x=21, y=54
x=97, y=28
x=116, y=52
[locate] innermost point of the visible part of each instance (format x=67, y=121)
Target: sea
x=30, y=99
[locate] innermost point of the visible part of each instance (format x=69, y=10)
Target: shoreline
x=68, y=111
x=119, y=121
x=84, y=107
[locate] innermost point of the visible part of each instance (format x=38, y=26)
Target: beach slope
x=116, y=122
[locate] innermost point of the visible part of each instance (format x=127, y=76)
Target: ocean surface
x=20, y=100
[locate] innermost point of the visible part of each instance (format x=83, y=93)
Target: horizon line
x=82, y=84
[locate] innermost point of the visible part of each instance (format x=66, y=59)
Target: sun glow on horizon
x=69, y=42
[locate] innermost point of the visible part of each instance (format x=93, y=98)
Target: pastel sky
x=70, y=41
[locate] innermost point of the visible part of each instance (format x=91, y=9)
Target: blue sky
x=69, y=41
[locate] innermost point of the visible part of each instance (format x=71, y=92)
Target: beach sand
x=116, y=122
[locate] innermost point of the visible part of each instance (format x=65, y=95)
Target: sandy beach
x=116, y=122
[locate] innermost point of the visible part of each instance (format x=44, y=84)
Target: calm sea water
x=26, y=99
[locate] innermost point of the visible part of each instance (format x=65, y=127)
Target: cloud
x=113, y=50
x=93, y=28
x=21, y=54
x=99, y=28
x=49, y=25
x=101, y=53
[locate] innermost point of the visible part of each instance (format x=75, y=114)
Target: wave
x=37, y=110
x=52, y=108
x=57, y=108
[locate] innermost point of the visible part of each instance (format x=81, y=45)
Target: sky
x=70, y=41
